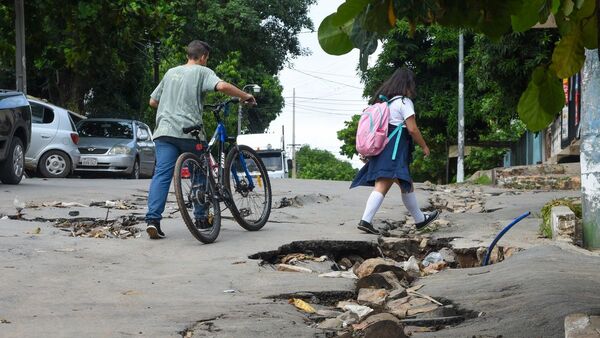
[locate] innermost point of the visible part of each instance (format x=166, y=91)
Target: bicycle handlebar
x=221, y=105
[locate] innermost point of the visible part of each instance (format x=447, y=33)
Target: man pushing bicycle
x=178, y=100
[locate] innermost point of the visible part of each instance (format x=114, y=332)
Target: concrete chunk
x=565, y=225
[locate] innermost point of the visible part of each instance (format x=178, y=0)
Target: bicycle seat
x=192, y=130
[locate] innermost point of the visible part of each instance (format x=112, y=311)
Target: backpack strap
x=397, y=132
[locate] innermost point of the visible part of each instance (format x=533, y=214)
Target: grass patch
x=573, y=203
x=483, y=180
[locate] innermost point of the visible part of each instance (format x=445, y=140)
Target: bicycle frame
x=220, y=135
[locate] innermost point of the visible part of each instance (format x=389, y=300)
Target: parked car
x=116, y=146
x=53, y=152
x=15, y=135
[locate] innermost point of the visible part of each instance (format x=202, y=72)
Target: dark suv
x=15, y=135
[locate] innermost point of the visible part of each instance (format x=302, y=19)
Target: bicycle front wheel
x=247, y=182
x=196, y=197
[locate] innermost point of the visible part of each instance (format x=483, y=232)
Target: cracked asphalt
x=54, y=285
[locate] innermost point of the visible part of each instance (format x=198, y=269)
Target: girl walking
x=382, y=171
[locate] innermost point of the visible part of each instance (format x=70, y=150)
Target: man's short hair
x=197, y=49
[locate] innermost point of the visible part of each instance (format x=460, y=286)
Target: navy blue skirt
x=382, y=165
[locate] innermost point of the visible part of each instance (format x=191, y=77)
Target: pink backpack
x=372, y=132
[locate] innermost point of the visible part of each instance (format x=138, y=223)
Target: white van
x=270, y=148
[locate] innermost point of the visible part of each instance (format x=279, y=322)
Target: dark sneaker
x=202, y=224
x=428, y=219
x=367, y=227
x=154, y=231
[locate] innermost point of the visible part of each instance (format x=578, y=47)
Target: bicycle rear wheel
x=247, y=182
x=196, y=197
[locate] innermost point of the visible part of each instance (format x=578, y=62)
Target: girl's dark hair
x=401, y=83
x=197, y=49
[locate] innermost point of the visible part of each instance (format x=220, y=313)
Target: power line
x=323, y=73
x=325, y=108
x=323, y=99
x=322, y=111
x=333, y=104
x=324, y=79
x=304, y=111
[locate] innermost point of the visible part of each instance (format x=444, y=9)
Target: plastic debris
x=412, y=264
x=432, y=257
x=60, y=204
x=360, y=310
x=302, y=305
x=339, y=274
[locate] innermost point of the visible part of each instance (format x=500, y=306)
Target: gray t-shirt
x=180, y=95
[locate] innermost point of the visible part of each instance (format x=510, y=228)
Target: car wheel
x=11, y=169
x=54, y=164
x=135, y=172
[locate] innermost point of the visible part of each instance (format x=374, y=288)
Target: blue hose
x=489, y=251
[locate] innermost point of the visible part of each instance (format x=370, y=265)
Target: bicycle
x=239, y=180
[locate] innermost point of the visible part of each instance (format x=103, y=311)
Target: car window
x=149, y=132
x=108, y=129
x=73, y=128
x=142, y=133
x=41, y=114
x=272, y=161
x=76, y=118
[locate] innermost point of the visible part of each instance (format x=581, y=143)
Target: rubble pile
x=124, y=227
x=386, y=301
x=459, y=199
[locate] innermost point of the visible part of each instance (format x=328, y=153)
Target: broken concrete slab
x=565, y=225
x=382, y=325
x=372, y=297
x=582, y=325
x=383, y=280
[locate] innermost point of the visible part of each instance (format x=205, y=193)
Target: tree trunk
x=590, y=156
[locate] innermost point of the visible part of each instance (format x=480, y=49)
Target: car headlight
x=120, y=150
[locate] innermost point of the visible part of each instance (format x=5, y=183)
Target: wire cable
x=324, y=79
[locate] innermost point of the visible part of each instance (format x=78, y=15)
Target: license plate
x=89, y=161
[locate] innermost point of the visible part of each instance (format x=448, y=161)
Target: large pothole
x=388, y=274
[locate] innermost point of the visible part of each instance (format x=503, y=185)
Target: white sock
x=410, y=202
x=373, y=204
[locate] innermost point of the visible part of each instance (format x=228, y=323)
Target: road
x=54, y=285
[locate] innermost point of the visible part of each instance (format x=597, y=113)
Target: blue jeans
x=168, y=150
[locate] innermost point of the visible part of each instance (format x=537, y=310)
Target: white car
x=53, y=151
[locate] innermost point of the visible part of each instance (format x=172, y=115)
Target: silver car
x=53, y=151
x=116, y=146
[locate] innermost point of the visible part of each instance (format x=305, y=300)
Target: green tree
x=490, y=100
x=105, y=57
x=360, y=23
x=322, y=165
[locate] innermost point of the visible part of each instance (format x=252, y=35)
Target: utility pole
x=21, y=75
x=294, y=133
x=460, y=170
x=590, y=143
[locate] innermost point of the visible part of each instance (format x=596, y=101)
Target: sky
x=328, y=91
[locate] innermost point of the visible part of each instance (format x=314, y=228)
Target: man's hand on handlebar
x=249, y=100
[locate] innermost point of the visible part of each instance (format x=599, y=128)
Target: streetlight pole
x=460, y=171
x=294, y=133
x=21, y=75
x=255, y=89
